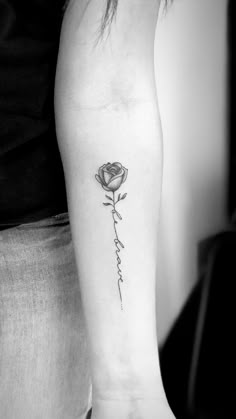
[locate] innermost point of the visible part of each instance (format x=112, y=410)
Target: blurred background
x=191, y=74
x=195, y=83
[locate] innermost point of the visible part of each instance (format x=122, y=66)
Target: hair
x=110, y=12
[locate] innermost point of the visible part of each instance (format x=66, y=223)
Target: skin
x=106, y=111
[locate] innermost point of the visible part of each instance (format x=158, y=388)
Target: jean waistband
x=61, y=218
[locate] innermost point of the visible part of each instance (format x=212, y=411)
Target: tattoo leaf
x=118, y=197
x=118, y=215
x=123, y=196
x=108, y=197
x=107, y=203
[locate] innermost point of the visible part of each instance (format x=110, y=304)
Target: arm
x=106, y=111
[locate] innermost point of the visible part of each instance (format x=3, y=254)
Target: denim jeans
x=44, y=366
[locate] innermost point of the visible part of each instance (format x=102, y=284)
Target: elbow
x=119, y=93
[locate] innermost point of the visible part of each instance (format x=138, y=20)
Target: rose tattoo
x=111, y=176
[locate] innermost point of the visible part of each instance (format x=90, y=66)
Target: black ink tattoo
x=111, y=176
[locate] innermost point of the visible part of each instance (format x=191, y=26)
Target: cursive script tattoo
x=111, y=176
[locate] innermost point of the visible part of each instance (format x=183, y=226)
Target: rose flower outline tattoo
x=111, y=176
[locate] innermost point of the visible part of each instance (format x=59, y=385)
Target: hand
x=132, y=409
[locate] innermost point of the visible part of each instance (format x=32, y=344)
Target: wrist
x=138, y=408
x=128, y=378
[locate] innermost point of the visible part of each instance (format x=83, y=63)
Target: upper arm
x=102, y=59
x=122, y=19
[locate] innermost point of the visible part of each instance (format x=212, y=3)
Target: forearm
x=106, y=111
x=122, y=340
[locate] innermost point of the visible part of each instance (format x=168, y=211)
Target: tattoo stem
x=117, y=242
